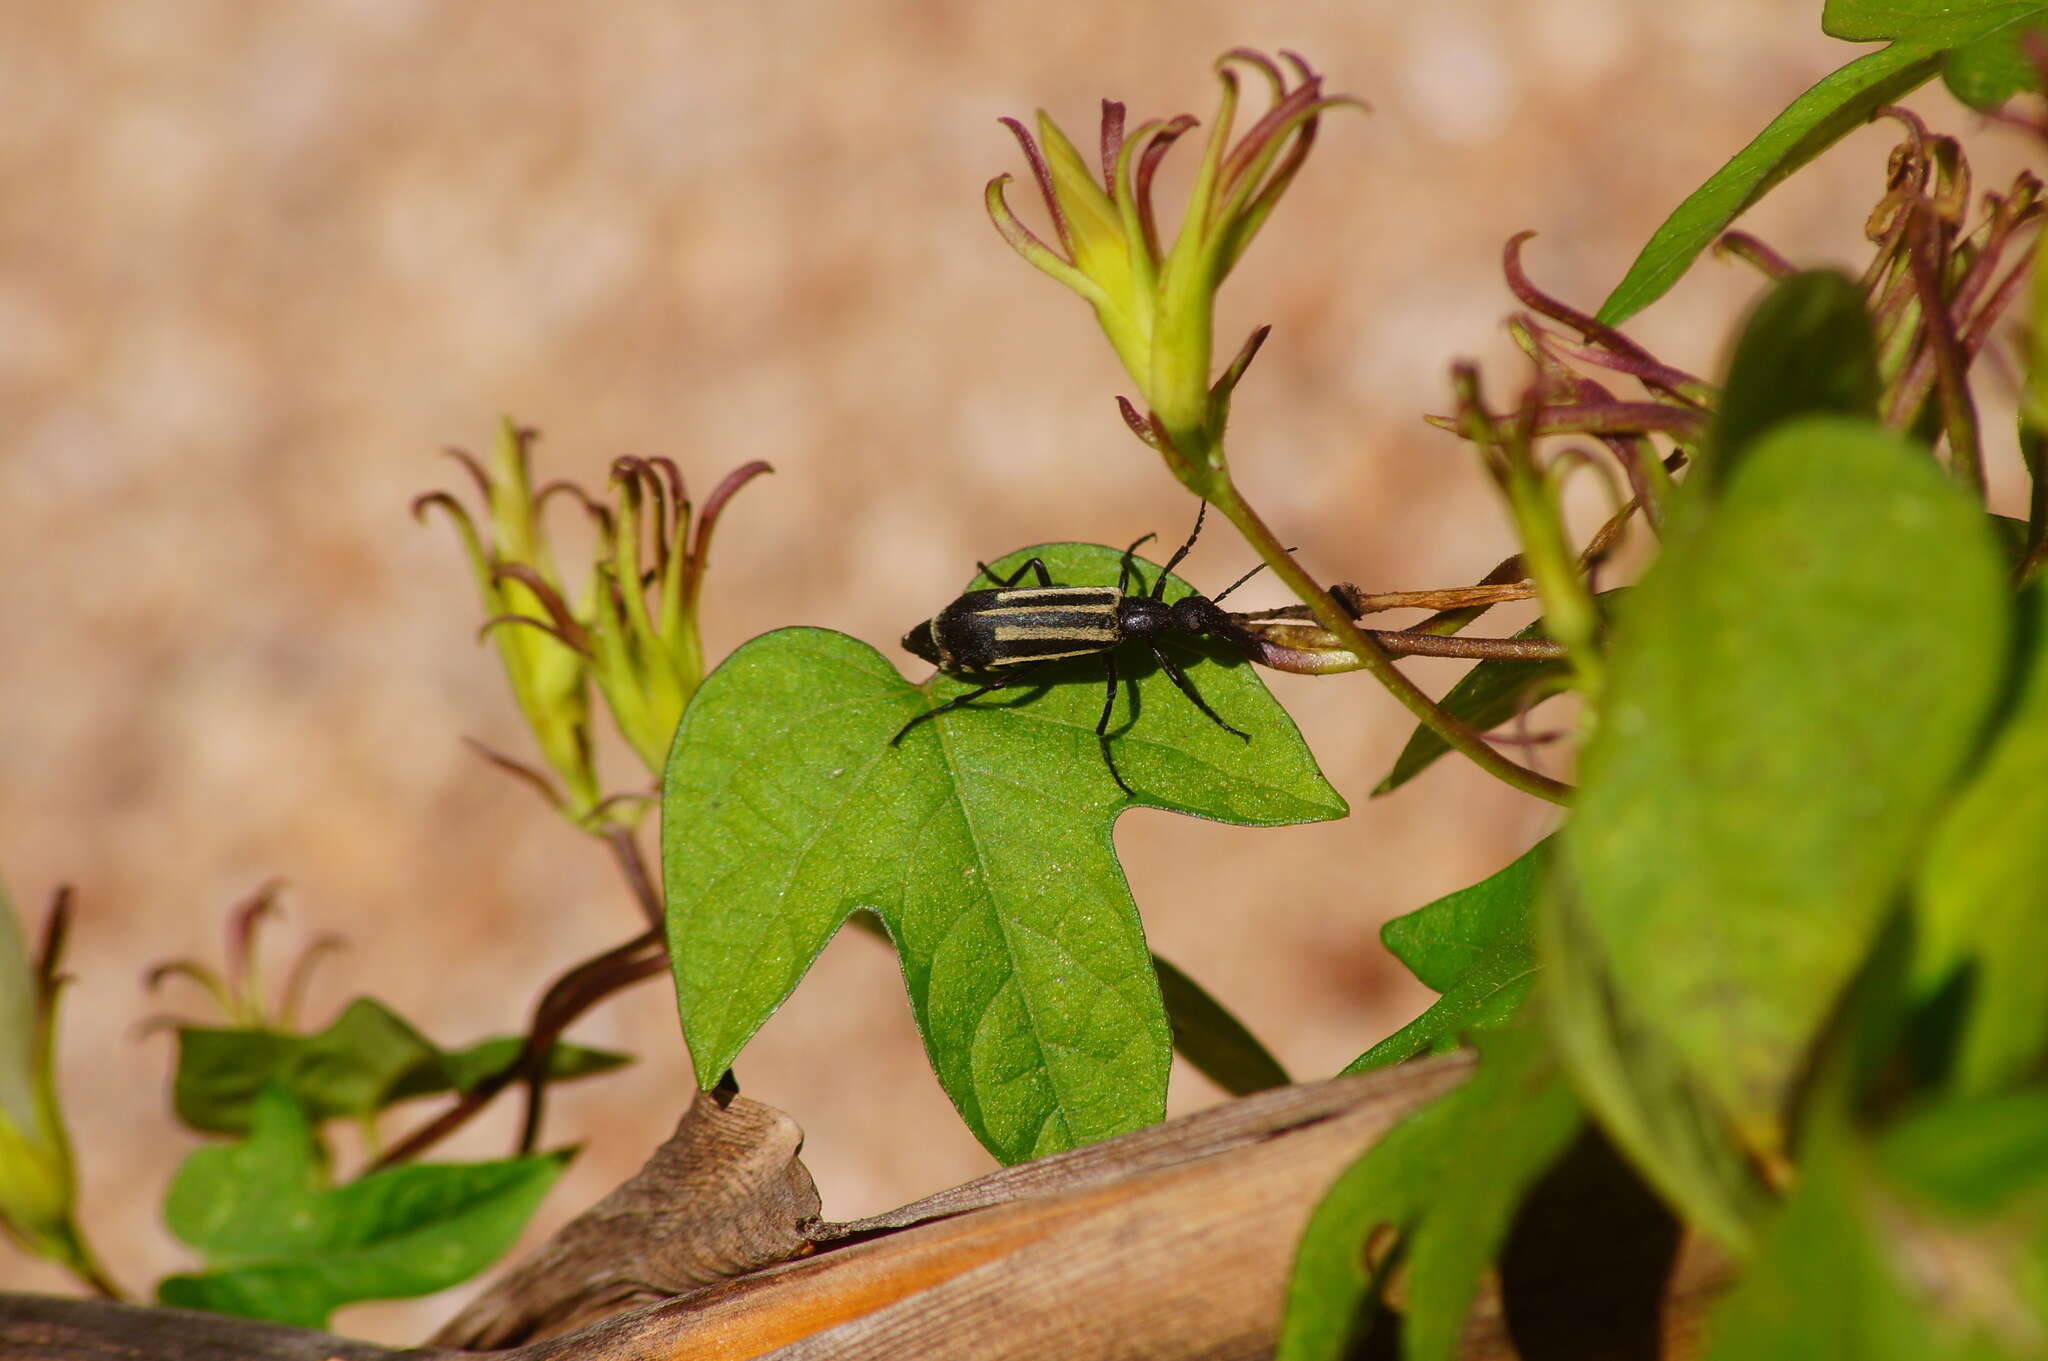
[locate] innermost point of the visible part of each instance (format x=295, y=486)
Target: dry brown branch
x=1174, y=1242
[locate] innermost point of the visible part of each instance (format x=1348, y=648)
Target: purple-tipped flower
x=634, y=631
x=1156, y=303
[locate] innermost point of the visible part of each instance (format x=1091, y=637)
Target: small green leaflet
x=1974, y=45
x=1477, y=947
x=983, y=843
x=280, y=1244
x=367, y=1058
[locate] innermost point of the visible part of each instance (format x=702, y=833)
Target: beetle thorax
x=1140, y=616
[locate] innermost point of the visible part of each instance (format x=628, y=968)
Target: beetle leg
x=1011, y=679
x=1102, y=729
x=1187, y=688
x=1028, y=565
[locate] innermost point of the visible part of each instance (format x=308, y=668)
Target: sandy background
x=258, y=262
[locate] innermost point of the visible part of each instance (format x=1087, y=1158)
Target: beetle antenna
x=1241, y=581
x=1159, y=586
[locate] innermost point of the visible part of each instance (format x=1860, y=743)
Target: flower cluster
x=1157, y=304
x=632, y=633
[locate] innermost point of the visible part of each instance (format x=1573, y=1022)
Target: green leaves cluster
x=367, y=1059
x=281, y=1243
x=981, y=842
x=1784, y=952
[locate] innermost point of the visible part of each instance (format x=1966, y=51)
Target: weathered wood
x=45, y=1328
x=722, y=1196
x=1174, y=1242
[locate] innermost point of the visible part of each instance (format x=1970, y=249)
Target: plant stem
x=1322, y=654
x=626, y=850
x=1462, y=738
x=577, y=990
x=84, y=1264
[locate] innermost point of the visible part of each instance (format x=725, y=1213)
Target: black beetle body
x=1012, y=631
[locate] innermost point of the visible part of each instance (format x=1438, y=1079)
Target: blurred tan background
x=257, y=262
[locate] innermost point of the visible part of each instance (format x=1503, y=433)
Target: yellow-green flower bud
x=516, y=578
x=634, y=633
x=1158, y=307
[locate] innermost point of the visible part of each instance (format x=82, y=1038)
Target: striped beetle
x=1013, y=632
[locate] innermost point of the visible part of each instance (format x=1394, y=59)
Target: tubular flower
x=516, y=576
x=641, y=610
x=1157, y=305
x=633, y=633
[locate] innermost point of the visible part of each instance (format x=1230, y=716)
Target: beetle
x=1012, y=632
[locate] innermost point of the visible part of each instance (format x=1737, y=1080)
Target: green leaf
x=983, y=843
x=1207, y=1035
x=1841, y=102
x=1794, y=688
x=37, y=1183
x=367, y=1058
x=1448, y=1179
x=459, y=1070
x=1806, y=349
x=1331, y=1290
x=1982, y=894
x=1973, y=1157
x=1476, y=947
x=348, y=1069
x=283, y=1246
x=1976, y=46
x=1822, y=1284
x=1519, y=1116
x=1929, y=1246
x=1633, y=1080
x=1985, y=64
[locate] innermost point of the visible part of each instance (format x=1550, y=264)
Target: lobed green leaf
x=982, y=841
